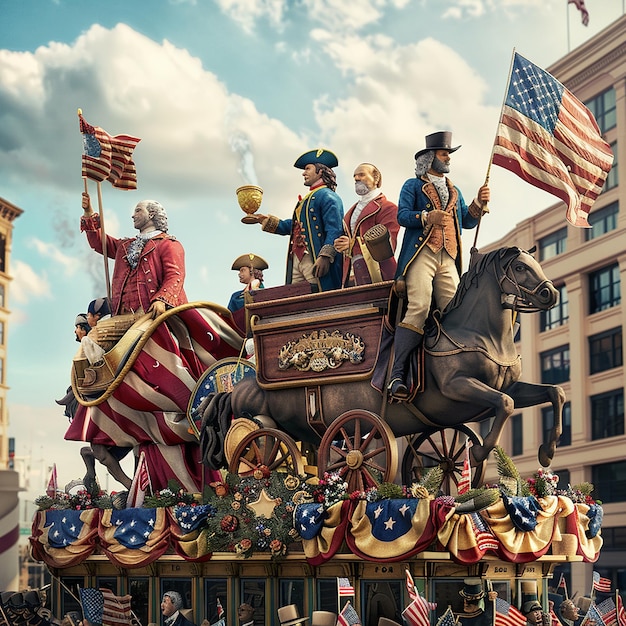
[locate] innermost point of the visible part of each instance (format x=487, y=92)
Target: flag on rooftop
x=584, y=14
x=551, y=140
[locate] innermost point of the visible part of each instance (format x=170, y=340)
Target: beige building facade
x=578, y=344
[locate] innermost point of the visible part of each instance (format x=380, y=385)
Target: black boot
x=405, y=341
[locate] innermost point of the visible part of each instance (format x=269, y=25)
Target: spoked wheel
x=266, y=450
x=361, y=448
x=444, y=448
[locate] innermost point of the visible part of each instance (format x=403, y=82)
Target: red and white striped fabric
x=148, y=410
x=116, y=611
x=550, y=139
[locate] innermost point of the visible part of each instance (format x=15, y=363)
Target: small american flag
x=608, y=610
x=592, y=616
x=508, y=615
x=220, y=609
x=92, y=603
x=485, y=539
x=345, y=588
x=563, y=585
x=601, y=584
x=410, y=585
x=417, y=613
x=116, y=609
x=465, y=482
x=551, y=140
x=141, y=481
x=53, y=483
x=621, y=612
x=447, y=619
x=348, y=616
x=584, y=14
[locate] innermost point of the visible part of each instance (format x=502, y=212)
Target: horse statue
x=471, y=367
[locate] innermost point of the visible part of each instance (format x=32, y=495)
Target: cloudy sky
x=223, y=93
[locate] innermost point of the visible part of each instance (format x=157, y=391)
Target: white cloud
x=248, y=12
x=28, y=284
x=47, y=250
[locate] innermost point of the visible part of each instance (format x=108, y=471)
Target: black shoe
x=398, y=389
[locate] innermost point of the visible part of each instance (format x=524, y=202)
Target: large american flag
x=550, y=139
x=508, y=615
x=584, y=14
x=107, y=157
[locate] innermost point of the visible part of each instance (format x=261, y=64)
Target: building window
x=216, y=590
x=605, y=350
x=607, y=414
x=555, y=365
x=558, y=314
x=602, y=221
x=604, y=109
x=564, y=481
x=604, y=288
x=609, y=481
x=517, y=443
x=553, y=244
x=612, y=177
x=139, y=589
x=2, y=303
x=614, y=538
x=1, y=333
x=547, y=421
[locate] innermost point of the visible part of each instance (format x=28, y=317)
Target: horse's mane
x=478, y=264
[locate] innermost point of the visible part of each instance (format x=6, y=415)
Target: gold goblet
x=249, y=198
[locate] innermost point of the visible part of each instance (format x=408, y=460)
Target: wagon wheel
x=361, y=448
x=266, y=450
x=444, y=448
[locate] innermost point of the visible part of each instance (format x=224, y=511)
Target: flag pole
x=103, y=236
x=493, y=145
x=493, y=602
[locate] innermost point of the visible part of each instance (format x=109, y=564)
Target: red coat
x=159, y=275
x=377, y=211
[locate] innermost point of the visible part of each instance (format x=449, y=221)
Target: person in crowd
x=171, y=606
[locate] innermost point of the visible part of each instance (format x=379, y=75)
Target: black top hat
x=472, y=589
x=321, y=155
x=441, y=140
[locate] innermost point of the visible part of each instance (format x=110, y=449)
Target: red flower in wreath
x=229, y=523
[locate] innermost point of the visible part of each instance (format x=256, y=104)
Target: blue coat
x=321, y=215
x=417, y=195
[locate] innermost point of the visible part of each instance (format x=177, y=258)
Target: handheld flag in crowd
x=53, y=483
x=344, y=587
x=141, y=482
x=107, y=157
x=348, y=616
x=592, y=617
x=116, y=610
x=465, y=482
x=601, y=584
x=410, y=585
x=92, y=603
x=608, y=610
x=562, y=585
x=417, y=613
x=220, y=609
x=551, y=140
x=507, y=614
x=621, y=612
x=447, y=619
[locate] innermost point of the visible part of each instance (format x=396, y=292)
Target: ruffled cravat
x=137, y=245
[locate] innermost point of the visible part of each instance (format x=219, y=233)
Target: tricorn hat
x=323, y=618
x=441, y=140
x=530, y=606
x=81, y=318
x=472, y=589
x=250, y=260
x=321, y=155
x=289, y=615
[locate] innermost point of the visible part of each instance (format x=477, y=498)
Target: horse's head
x=525, y=287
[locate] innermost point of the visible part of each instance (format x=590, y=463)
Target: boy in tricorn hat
x=314, y=226
x=250, y=268
x=433, y=212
